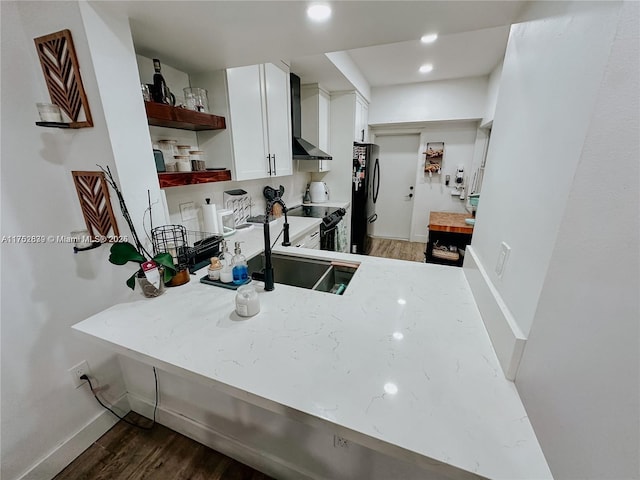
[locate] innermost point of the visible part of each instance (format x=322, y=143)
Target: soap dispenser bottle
x=226, y=273
x=239, y=264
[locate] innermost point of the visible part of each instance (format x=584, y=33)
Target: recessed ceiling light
x=432, y=37
x=319, y=12
x=426, y=68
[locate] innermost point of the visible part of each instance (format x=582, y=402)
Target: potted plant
x=124, y=252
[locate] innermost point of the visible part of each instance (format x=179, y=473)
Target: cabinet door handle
x=315, y=235
x=269, y=160
x=274, y=165
x=363, y=135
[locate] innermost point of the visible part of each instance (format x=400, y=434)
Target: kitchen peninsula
x=400, y=363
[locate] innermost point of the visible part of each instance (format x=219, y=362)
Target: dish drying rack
x=239, y=201
x=189, y=248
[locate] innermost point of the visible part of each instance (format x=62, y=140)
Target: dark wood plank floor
x=398, y=249
x=126, y=452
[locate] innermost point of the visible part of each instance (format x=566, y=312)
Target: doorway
x=398, y=163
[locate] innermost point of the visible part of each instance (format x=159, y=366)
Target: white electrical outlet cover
x=77, y=371
x=187, y=211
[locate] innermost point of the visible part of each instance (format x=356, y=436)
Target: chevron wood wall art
x=93, y=194
x=62, y=74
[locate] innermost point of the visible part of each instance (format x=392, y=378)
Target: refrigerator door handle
x=376, y=180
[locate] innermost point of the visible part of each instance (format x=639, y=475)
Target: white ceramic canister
x=183, y=163
x=247, y=301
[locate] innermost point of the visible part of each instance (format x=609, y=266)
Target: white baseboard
x=267, y=463
x=423, y=238
x=54, y=462
x=506, y=337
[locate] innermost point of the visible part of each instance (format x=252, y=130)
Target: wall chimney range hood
x=302, y=150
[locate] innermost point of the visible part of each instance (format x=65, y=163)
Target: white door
x=399, y=155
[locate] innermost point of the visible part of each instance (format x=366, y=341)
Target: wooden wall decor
x=93, y=193
x=62, y=74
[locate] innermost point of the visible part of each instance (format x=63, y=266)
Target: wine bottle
x=159, y=93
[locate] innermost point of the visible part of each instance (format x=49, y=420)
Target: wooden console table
x=448, y=229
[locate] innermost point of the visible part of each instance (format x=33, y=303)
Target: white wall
x=552, y=71
x=431, y=193
x=113, y=56
x=580, y=370
x=460, y=99
x=294, y=186
x=45, y=287
x=345, y=64
x=176, y=79
x=492, y=94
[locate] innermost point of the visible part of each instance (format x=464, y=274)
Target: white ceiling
x=381, y=36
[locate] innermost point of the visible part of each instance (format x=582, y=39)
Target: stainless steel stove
x=331, y=218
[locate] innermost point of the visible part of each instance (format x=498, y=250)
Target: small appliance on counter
x=319, y=192
x=226, y=222
x=239, y=201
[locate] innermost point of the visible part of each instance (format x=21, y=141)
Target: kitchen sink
x=309, y=273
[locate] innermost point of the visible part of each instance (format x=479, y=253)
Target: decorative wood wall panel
x=62, y=74
x=93, y=194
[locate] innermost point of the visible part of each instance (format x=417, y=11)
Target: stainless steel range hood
x=302, y=150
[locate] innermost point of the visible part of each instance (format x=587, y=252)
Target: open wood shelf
x=161, y=115
x=178, y=179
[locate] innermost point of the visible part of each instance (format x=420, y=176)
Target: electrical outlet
x=502, y=258
x=187, y=211
x=339, y=442
x=76, y=372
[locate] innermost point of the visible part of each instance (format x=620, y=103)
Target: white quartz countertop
x=401, y=362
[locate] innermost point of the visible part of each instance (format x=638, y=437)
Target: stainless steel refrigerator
x=365, y=186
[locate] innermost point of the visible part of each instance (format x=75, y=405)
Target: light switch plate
x=187, y=211
x=502, y=258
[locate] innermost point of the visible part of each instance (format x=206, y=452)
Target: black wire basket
x=188, y=248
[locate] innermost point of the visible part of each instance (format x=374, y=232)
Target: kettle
x=319, y=192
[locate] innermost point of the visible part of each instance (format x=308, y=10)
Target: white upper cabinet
x=316, y=110
x=259, y=121
x=362, y=119
x=278, y=108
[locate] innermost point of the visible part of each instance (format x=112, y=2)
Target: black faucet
x=267, y=274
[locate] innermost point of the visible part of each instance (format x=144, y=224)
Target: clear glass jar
x=247, y=301
x=196, y=99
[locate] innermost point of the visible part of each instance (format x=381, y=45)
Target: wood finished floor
x=126, y=452
x=398, y=249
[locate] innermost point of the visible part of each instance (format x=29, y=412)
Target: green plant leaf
x=131, y=281
x=123, y=252
x=166, y=260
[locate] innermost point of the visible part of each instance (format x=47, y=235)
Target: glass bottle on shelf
x=161, y=92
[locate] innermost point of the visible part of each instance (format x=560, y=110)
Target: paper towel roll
x=210, y=218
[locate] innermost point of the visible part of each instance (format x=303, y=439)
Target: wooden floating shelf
x=178, y=179
x=54, y=125
x=161, y=115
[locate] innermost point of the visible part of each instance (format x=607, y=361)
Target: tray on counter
x=218, y=283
